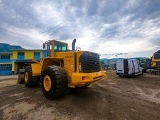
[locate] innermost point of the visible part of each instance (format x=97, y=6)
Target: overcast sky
x=103, y=26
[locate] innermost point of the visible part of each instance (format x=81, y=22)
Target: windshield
x=59, y=47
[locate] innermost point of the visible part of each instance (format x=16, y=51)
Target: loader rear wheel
x=54, y=82
x=29, y=80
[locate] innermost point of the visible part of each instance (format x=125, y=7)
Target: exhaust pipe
x=73, y=44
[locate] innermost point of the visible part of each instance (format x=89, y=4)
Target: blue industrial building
x=14, y=58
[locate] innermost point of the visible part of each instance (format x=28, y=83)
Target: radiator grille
x=90, y=62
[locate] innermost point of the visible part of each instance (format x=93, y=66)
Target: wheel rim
x=26, y=77
x=47, y=83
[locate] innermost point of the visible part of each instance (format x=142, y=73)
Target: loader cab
x=156, y=59
x=52, y=46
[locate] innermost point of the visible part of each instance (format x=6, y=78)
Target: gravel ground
x=113, y=98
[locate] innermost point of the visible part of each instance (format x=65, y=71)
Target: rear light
x=83, y=77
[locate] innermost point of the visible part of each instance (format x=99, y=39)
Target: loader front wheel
x=54, y=82
x=29, y=80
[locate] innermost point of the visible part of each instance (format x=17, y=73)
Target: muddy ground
x=113, y=98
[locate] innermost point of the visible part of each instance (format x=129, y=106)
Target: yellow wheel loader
x=63, y=68
x=155, y=60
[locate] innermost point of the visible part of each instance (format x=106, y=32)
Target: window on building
x=5, y=57
x=5, y=67
x=21, y=53
x=36, y=53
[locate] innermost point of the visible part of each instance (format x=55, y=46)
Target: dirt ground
x=113, y=98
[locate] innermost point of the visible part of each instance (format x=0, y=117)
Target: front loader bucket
x=21, y=76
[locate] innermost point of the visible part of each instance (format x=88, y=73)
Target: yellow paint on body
x=36, y=69
x=67, y=61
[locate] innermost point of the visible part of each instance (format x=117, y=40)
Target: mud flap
x=21, y=76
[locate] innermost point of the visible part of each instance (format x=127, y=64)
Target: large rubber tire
x=120, y=75
x=29, y=80
x=142, y=73
x=57, y=81
x=144, y=70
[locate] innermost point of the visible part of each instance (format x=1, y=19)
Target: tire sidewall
x=28, y=83
x=54, y=91
x=53, y=83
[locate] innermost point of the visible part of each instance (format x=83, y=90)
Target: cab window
x=59, y=47
x=157, y=56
